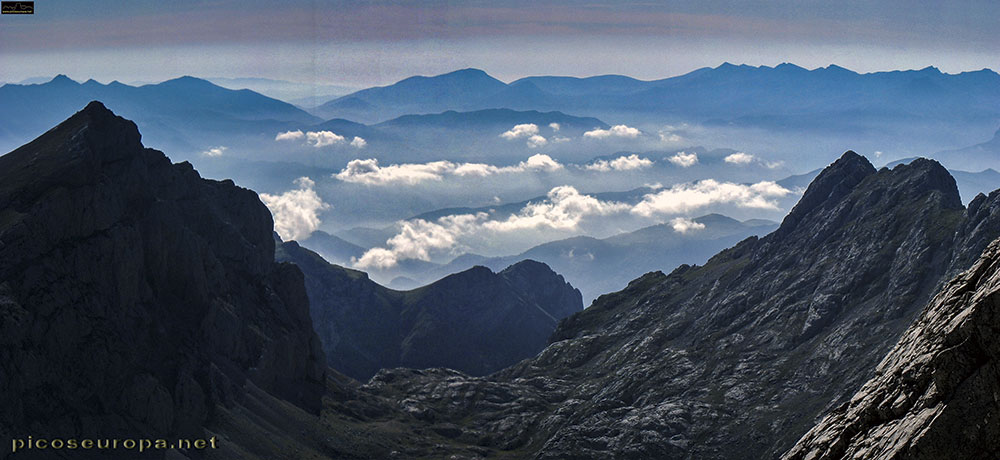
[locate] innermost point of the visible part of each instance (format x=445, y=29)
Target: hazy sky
x=361, y=43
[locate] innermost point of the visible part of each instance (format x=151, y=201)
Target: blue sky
x=364, y=43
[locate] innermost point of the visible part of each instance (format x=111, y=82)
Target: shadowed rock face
x=736, y=358
x=135, y=297
x=475, y=321
x=936, y=394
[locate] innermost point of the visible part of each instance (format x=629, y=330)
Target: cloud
x=215, y=151
x=683, y=198
x=684, y=160
x=560, y=139
x=684, y=225
x=323, y=138
x=536, y=141
x=670, y=137
x=520, y=131
x=562, y=209
x=615, y=131
x=290, y=135
x=358, y=142
x=369, y=172
x=739, y=158
x=296, y=212
x=555, y=127
x=622, y=163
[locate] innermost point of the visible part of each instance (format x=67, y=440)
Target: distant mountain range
x=766, y=96
x=185, y=113
x=475, y=321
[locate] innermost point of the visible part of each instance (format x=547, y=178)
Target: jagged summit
x=832, y=184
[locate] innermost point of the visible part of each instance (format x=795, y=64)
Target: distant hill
x=475, y=321
x=974, y=158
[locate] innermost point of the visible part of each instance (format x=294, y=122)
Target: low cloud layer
x=684, y=160
x=296, y=212
x=622, y=163
x=684, y=225
x=320, y=138
x=369, y=171
x=215, y=151
x=684, y=198
x=739, y=158
x=564, y=209
x=615, y=131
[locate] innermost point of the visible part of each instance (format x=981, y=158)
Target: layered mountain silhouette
x=759, y=96
x=140, y=300
x=475, y=321
x=185, y=113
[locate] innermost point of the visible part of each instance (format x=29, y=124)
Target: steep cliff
x=136, y=298
x=936, y=394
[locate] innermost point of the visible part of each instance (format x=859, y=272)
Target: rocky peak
x=828, y=188
x=136, y=297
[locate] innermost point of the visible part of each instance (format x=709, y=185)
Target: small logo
x=17, y=7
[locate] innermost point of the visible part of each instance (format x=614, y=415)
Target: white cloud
x=622, y=163
x=878, y=153
x=520, y=131
x=560, y=139
x=369, y=172
x=562, y=209
x=536, y=141
x=323, y=138
x=774, y=164
x=684, y=225
x=615, y=131
x=215, y=151
x=669, y=137
x=739, y=158
x=684, y=160
x=555, y=127
x=296, y=212
x=683, y=198
x=290, y=135
x=358, y=142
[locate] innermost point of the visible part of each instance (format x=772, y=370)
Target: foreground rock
x=138, y=300
x=936, y=394
x=476, y=321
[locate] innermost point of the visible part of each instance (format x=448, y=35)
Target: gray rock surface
x=937, y=393
x=736, y=358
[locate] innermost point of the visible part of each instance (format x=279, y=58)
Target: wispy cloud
x=622, y=163
x=615, y=131
x=290, y=135
x=739, y=158
x=358, y=142
x=215, y=151
x=296, y=212
x=323, y=138
x=683, y=198
x=555, y=127
x=369, y=172
x=563, y=209
x=684, y=225
x=684, y=160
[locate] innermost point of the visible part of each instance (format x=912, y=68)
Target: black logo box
x=17, y=7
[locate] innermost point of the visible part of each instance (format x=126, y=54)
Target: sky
x=365, y=43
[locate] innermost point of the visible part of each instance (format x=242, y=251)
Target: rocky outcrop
x=936, y=394
x=136, y=298
x=475, y=321
x=736, y=358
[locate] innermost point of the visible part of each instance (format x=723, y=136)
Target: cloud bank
x=369, y=172
x=622, y=163
x=684, y=160
x=320, y=138
x=564, y=209
x=296, y=212
x=615, y=131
